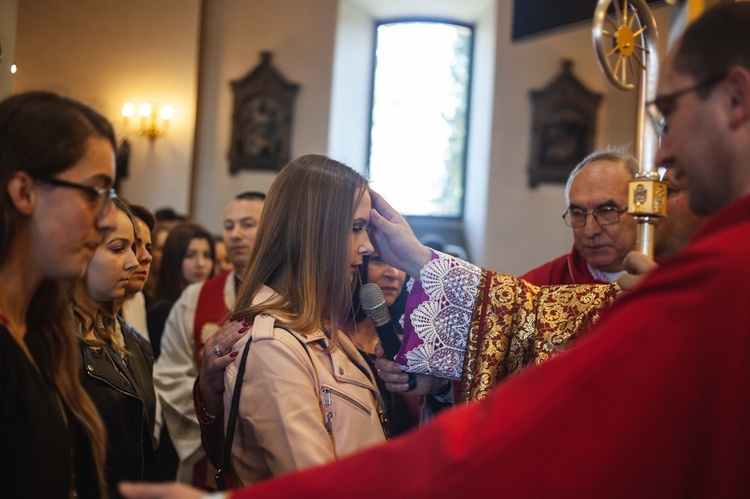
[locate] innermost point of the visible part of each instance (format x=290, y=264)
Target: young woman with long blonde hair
x=307, y=397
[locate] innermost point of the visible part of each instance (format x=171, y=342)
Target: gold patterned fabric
x=515, y=323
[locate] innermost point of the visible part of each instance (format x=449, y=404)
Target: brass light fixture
x=153, y=124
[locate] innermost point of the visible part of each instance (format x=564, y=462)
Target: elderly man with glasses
x=596, y=196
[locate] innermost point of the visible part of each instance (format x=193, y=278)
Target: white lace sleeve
x=440, y=323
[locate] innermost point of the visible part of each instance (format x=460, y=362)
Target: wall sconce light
x=150, y=125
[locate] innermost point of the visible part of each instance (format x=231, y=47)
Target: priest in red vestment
x=655, y=400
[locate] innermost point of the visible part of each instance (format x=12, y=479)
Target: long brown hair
x=172, y=281
x=44, y=134
x=302, y=246
x=104, y=320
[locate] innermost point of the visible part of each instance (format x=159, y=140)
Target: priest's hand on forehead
x=394, y=240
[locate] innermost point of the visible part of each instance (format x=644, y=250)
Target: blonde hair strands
x=302, y=246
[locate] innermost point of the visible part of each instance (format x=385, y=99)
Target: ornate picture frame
x=261, y=119
x=563, y=126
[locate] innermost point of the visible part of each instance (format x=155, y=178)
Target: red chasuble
x=567, y=269
x=653, y=402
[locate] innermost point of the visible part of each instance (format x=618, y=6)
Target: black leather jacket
x=126, y=401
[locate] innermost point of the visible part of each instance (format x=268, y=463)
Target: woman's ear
x=21, y=192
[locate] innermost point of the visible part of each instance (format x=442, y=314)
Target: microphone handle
x=391, y=344
x=389, y=339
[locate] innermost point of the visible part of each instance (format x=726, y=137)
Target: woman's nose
x=132, y=262
x=366, y=247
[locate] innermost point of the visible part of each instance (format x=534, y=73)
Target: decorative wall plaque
x=563, y=125
x=261, y=119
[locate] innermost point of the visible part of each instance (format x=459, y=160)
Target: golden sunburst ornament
x=622, y=45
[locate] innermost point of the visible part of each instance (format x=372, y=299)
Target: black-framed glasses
x=604, y=215
x=103, y=195
x=657, y=107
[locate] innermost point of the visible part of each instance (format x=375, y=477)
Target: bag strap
x=232, y=422
x=233, y=410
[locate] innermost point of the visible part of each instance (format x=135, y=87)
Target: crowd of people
x=129, y=342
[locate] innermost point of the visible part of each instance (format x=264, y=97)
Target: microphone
x=373, y=303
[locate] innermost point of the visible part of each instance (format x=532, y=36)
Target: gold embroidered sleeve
x=516, y=323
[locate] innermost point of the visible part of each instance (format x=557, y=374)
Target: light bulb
x=167, y=112
x=145, y=110
x=128, y=109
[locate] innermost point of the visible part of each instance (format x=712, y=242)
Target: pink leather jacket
x=300, y=406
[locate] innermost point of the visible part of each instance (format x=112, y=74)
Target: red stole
x=210, y=311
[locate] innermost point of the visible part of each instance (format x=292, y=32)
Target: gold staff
x=626, y=49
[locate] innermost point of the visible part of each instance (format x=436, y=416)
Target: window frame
x=464, y=156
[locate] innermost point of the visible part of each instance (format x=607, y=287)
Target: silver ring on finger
x=217, y=351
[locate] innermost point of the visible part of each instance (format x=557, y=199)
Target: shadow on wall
x=438, y=243
x=443, y=234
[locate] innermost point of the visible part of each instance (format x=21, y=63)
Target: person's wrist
x=205, y=412
x=419, y=259
x=209, y=403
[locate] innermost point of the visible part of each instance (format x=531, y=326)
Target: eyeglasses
x=102, y=195
x=605, y=215
x=659, y=108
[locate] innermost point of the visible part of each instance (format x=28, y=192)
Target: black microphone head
x=373, y=303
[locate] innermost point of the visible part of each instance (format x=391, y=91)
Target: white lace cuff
x=438, y=315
